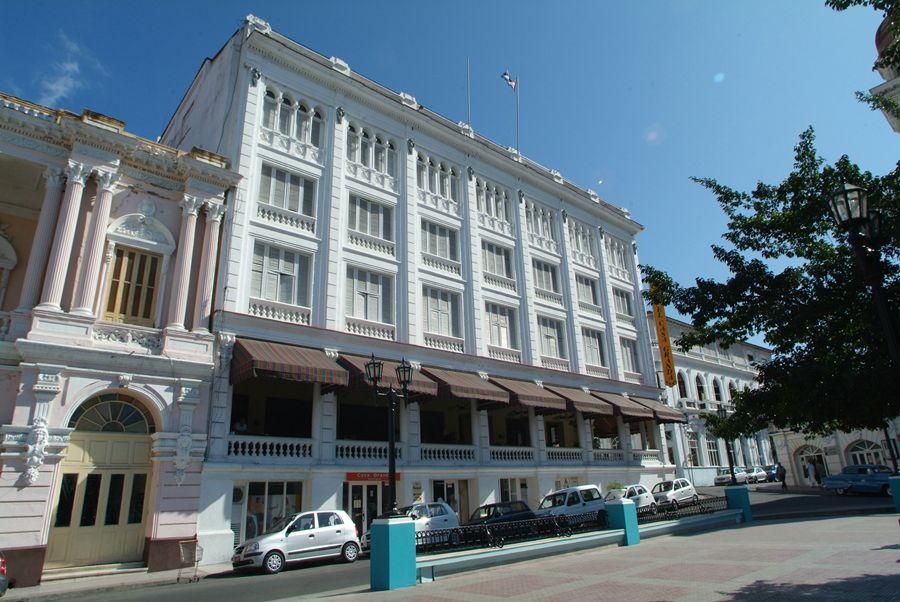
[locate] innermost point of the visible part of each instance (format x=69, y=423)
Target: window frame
x=124, y=289
x=545, y=323
x=632, y=343
x=386, y=214
x=431, y=229
x=432, y=298
x=385, y=302
x=304, y=181
x=492, y=320
x=301, y=283
x=551, y=272
x=595, y=335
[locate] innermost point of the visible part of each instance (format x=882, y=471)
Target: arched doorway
x=865, y=452
x=805, y=455
x=100, y=504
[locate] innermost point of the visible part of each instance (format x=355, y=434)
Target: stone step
x=96, y=570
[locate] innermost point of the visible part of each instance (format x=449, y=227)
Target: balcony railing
x=590, y=308
x=585, y=259
x=371, y=243
x=646, y=456
x=291, y=145
x=448, y=454
x=502, y=353
x=555, y=363
x=273, y=310
x=249, y=447
x=368, y=328
x=565, y=455
x=447, y=343
x=544, y=242
x=548, y=296
x=601, y=371
x=139, y=338
x=512, y=455
x=501, y=282
x=609, y=456
x=619, y=272
x=284, y=217
x=363, y=452
x=360, y=172
x=632, y=377
x=495, y=223
x=441, y=263
x=436, y=201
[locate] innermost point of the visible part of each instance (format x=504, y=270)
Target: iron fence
x=670, y=511
x=498, y=534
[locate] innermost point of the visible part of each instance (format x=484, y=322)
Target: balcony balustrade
x=608, y=456
x=441, y=264
x=436, y=201
x=273, y=310
x=371, y=243
x=283, y=217
x=548, y=296
x=448, y=454
x=512, y=455
x=447, y=343
x=565, y=455
x=593, y=370
x=646, y=457
x=364, y=452
x=495, y=224
x=368, y=328
x=499, y=282
x=502, y=353
x=555, y=363
x=368, y=175
x=291, y=145
x=261, y=447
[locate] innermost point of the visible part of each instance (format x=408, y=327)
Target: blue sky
x=640, y=95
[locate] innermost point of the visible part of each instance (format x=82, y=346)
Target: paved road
x=303, y=579
x=770, y=500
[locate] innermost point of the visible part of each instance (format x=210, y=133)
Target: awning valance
x=466, y=385
x=529, y=394
x=662, y=412
x=626, y=407
x=585, y=403
x=263, y=358
x=419, y=383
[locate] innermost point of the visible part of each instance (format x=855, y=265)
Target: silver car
x=303, y=536
x=671, y=494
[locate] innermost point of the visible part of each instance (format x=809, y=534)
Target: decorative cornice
x=190, y=205
x=214, y=211
x=107, y=180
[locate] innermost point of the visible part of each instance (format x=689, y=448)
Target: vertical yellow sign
x=665, y=347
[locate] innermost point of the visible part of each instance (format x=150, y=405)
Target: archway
x=101, y=504
x=865, y=452
x=803, y=456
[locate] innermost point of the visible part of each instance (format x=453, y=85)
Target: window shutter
x=280, y=183
x=265, y=184
x=303, y=275
x=454, y=316
x=387, y=313
x=352, y=219
x=294, y=194
x=316, y=134
x=309, y=192
x=387, y=231
x=259, y=251
x=350, y=292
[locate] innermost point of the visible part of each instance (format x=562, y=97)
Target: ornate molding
x=54, y=178
x=35, y=445
x=47, y=383
x=214, y=211
x=190, y=205
x=107, y=180
x=130, y=337
x=483, y=375
x=77, y=172
x=471, y=171
x=332, y=353
x=339, y=113
x=258, y=24
x=124, y=380
x=410, y=145
x=255, y=75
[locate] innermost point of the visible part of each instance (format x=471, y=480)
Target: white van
x=571, y=500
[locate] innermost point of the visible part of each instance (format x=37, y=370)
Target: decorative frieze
x=36, y=445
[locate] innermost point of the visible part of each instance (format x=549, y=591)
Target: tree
x=792, y=278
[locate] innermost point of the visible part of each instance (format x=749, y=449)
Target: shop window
x=268, y=503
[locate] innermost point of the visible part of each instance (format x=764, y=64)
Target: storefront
x=366, y=497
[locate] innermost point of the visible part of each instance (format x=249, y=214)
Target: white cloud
x=73, y=70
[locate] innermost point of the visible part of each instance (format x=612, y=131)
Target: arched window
x=365, y=149
x=717, y=390
x=421, y=171
x=269, y=110
x=302, y=123
x=380, y=155
x=682, y=387
x=352, y=143
x=732, y=391
x=701, y=388
x=391, y=158
x=112, y=413
x=315, y=133
x=454, y=185
x=284, y=116
x=432, y=177
x=865, y=452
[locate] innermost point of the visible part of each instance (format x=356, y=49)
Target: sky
x=638, y=95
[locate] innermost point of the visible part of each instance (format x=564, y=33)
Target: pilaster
x=203, y=309
x=408, y=288
x=40, y=246
x=570, y=296
x=469, y=213
x=83, y=303
x=190, y=205
x=531, y=353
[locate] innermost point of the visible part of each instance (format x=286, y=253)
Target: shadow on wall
x=860, y=587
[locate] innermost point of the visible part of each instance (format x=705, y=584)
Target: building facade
x=706, y=379
x=365, y=224
x=891, y=86
x=108, y=246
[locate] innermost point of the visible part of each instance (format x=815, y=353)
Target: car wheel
x=350, y=552
x=673, y=505
x=840, y=491
x=653, y=508
x=695, y=499
x=885, y=491
x=273, y=563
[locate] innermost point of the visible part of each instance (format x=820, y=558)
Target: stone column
x=624, y=430
x=203, y=310
x=64, y=237
x=40, y=246
x=83, y=303
x=178, y=299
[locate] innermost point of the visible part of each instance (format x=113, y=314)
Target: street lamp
x=849, y=206
x=374, y=372
x=723, y=414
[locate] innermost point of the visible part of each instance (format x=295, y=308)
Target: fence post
x=393, y=556
x=738, y=497
x=622, y=514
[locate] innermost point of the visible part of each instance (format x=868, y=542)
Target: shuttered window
x=280, y=275
x=287, y=191
x=133, y=285
x=369, y=296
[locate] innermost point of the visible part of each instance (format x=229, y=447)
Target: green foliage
x=793, y=278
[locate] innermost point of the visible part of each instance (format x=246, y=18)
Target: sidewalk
x=58, y=590
x=846, y=558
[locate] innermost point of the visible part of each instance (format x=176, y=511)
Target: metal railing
x=498, y=534
x=671, y=511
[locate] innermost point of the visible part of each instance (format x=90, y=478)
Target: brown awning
x=419, y=384
x=263, y=358
x=529, y=394
x=627, y=408
x=661, y=411
x=585, y=403
x=466, y=385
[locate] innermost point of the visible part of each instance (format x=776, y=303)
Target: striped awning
x=662, y=412
x=357, y=366
x=466, y=385
x=530, y=394
x=263, y=358
x=577, y=399
x=626, y=407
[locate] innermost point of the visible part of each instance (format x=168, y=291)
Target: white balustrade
x=500, y=282
x=495, y=223
x=512, y=455
x=548, y=296
x=436, y=201
x=371, y=243
x=448, y=454
x=360, y=172
x=565, y=455
x=442, y=264
x=646, y=456
x=284, y=217
x=447, y=343
x=632, y=377
x=502, y=353
x=23, y=106
x=544, y=242
x=555, y=363
x=601, y=371
x=271, y=448
x=291, y=145
x=585, y=259
x=609, y=456
x=273, y=310
x=368, y=328
x=363, y=452
x=619, y=272
x=590, y=308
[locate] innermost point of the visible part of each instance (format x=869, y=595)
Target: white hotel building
x=366, y=224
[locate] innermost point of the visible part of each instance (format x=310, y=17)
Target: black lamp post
x=850, y=210
x=723, y=414
x=374, y=371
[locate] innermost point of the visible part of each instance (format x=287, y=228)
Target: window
x=369, y=296
x=712, y=452
x=865, y=452
x=439, y=241
x=617, y=258
x=437, y=178
x=287, y=191
x=545, y=276
x=369, y=217
x=284, y=117
x=133, y=285
x=496, y=260
x=371, y=150
x=501, y=322
x=701, y=388
x=441, y=312
x=693, y=449
x=540, y=221
x=682, y=387
x=279, y=275
x=309, y=125
x=492, y=201
x=329, y=519
x=270, y=109
x=629, y=355
x=587, y=289
x=717, y=390
x=551, y=337
x=593, y=347
x=270, y=504
x=622, y=301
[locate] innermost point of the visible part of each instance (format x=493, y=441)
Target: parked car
x=675, y=493
x=4, y=580
x=771, y=472
x=757, y=475
x=427, y=517
x=860, y=478
x=637, y=493
x=571, y=500
x=298, y=537
x=502, y=512
x=724, y=476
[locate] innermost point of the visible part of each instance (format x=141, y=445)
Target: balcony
x=448, y=454
x=585, y=259
x=565, y=455
x=363, y=452
x=495, y=224
x=555, y=363
x=273, y=310
x=371, y=243
x=550, y=297
x=608, y=456
x=544, y=242
x=512, y=455
x=288, y=219
x=504, y=354
x=632, y=377
x=249, y=448
x=447, y=343
x=360, y=172
x=369, y=328
x=646, y=457
x=436, y=201
x=499, y=282
x=441, y=264
x=141, y=339
x=594, y=370
x=619, y=272
x=291, y=146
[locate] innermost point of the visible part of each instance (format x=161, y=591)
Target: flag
x=509, y=80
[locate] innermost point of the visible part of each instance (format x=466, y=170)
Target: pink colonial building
x=108, y=247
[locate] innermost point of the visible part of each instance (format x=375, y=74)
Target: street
x=770, y=501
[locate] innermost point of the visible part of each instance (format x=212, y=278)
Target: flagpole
x=518, y=85
x=468, y=92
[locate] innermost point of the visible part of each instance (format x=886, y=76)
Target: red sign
x=370, y=476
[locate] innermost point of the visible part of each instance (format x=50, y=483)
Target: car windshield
x=482, y=513
x=663, y=486
x=724, y=471
x=280, y=524
x=615, y=494
x=553, y=500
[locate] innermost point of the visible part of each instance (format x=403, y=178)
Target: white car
x=724, y=476
x=637, y=493
x=571, y=500
x=303, y=536
x=757, y=474
x=427, y=517
x=675, y=493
